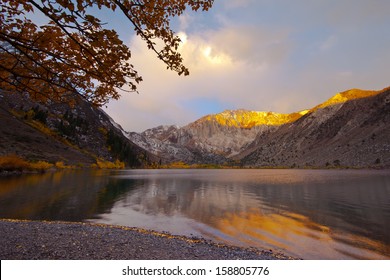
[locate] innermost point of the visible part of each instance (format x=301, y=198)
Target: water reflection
x=67, y=196
x=311, y=214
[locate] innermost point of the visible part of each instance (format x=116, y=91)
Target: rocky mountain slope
x=350, y=129
x=52, y=132
x=211, y=139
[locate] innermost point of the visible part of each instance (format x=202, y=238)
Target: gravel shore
x=72, y=241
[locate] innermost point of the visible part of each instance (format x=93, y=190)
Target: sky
x=263, y=55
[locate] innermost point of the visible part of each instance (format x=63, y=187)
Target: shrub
x=176, y=165
x=60, y=165
x=102, y=164
x=13, y=162
x=16, y=163
x=41, y=165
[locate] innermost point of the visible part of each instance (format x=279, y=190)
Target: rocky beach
x=42, y=240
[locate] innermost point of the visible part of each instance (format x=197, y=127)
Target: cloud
x=251, y=44
x=219, y=73
x=234, y=4
x=273, y=55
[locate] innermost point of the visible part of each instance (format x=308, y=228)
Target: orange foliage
x=73, y=55
x=60, y=165
x=41, y=165
x=102, y=164
x=14, y=162
x=176, y=165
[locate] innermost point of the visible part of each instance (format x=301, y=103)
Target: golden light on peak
x=348, y=95
x=249, y=119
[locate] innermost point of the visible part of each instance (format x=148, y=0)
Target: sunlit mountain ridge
x=348, y=95
x=248, y=119
x=351, y=129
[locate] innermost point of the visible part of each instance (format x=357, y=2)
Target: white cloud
x=216, y=71
x=251, y=44
x=297, y=60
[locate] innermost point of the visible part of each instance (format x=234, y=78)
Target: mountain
x=211, y=139
x=53, y=132
x=350, y=129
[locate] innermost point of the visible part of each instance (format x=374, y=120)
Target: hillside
x=55, y=132
x=350, y=129
x=352, y=132
x=211, y=139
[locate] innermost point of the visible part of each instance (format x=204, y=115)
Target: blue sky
x=264, y=55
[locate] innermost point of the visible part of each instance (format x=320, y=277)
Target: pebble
x=64, y=240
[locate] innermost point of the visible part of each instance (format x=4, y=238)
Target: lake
x=311, y=214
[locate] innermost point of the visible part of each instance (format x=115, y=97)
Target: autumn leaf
x=73, y=55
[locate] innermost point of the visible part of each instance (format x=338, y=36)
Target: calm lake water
x=312, y=214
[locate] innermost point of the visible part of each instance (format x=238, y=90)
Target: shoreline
x=50, y=240
x=17, y=172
